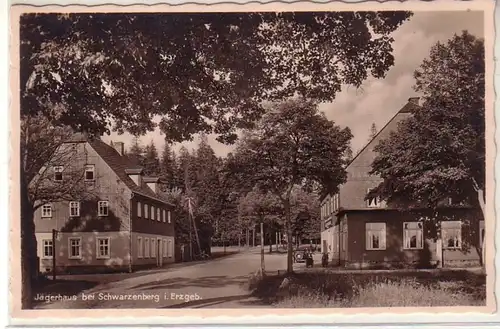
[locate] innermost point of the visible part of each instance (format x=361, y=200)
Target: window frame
x=170, y=244
x=444, y=236
x=89, y=168
x=147, y=248
x=100, y=204
x=42, y=210
x=58, y=170
x=140, y=248
x=98, y=249
x=77, y=208
x=139, y=209
x=169, y=218
x=44, y=256
x=153, y=247
x=405, y=236
x=70, y=247
x=146, y=208
x=152, y=212
x=158, y=214
x=376, y=200
x=370, y=232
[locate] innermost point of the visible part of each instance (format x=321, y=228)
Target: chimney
x=119, y=147
x=414, y=100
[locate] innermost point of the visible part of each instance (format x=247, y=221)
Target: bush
x=365, y=290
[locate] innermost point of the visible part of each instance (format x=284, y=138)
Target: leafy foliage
x=205, y=72
x=439, y=152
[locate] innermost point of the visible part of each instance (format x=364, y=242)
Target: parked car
x=301, y=254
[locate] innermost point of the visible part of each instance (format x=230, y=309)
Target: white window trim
x=153, y=247
x=139, y=209
x=89, y=168
x=164, y=213
x=77, y=208
x=43, y=249
x=383, y=237
x=152, y=212
x=147, y=248
x=102, y=202
x=75, y=238
x=169, y=218
x=103, y=238
x=140, y=248
x=146, y=208
x=158, y=214
x=445, y=241
x=369, y=202
x=58, y=169
x=404, y=237
x=49, y=205
x=170, y=246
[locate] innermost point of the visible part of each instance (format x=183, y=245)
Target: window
x=146, y=211
x=48, y=249
x=146, y=247
x=58, y=173
x=102, y=208
x=103, y=248
x=164, y=215
x=372, y=202
x=153, y=247
x=89, y=172
x=413, y=235
x=152, y=213
x=140, y=250
x=452, y=234
x=158, y=214
x=75, y=248
x=169, y=249
x=375, y=236
x=169, y=219
x=481, y=233
x=74, y=209
x=46, y=211
x=139, y=209
x=165, y=248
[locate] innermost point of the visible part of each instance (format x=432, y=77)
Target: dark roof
x=121, y=164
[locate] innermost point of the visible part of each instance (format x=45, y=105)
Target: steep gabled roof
x=408, y=108
x=121, y=164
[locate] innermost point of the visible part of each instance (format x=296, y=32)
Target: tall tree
x=136, y=151
x=168, y=166
x=293, y=144
x=215, y=69
x=151, y=162
x=439, y=152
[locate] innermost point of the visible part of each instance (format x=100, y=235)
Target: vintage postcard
x=260, y=158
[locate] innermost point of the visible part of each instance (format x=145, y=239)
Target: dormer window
x=373, y=202
x=89, y=173
x=58, y=173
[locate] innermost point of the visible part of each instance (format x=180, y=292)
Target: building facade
x=120, y=222
x=361, y=233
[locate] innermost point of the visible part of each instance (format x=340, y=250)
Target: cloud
x=378, y=99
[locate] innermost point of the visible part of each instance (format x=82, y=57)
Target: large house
x=365, y=233
x=120, y=222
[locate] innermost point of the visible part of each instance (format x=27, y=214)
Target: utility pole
x=239, y=228
x=186, y=189
x=54, y=238
x=248, y=237
x=253, y=236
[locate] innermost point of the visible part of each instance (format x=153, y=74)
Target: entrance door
x=325, y=246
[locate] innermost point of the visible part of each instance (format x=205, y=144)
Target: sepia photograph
x=253, y=159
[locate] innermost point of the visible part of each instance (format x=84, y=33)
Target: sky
x=378, y=100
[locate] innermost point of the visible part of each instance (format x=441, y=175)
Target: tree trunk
x=262, y=263
x=248, y=237
x=253, y=236
x=28, y=246
x=289, y=233
x=480, y=197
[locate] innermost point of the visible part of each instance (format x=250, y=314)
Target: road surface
x=215, y=283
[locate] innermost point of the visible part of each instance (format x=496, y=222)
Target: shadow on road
x=203, y=282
